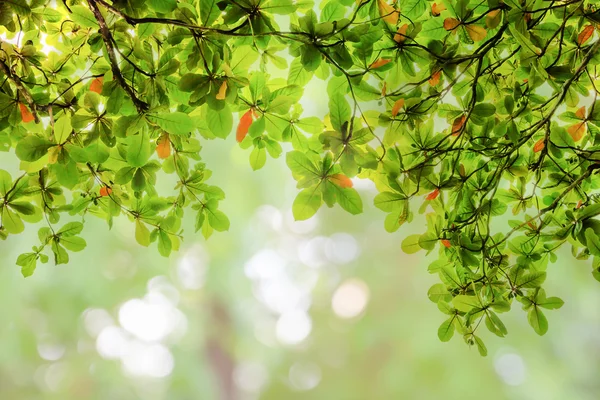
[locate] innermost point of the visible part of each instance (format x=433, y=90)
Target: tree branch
x=114, y=64
x=21, y=88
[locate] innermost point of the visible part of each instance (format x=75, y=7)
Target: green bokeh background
x=223, y=332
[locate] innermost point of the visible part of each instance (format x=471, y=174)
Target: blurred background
x=329, y=308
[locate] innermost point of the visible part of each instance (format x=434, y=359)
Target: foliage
x=485, y=111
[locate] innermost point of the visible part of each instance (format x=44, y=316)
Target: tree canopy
x=482, y=115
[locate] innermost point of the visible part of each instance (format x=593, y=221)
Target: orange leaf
x=433, y=195
x=458, y=125
x=434, y=79
x=400, y=36
x=163, y=146
x=387, y=12
x=96, y=85
x=577, y=131
x=380, y=62
x=341, y=180
x=436, y=9
x=26, y=115
x=585, y=34
x=580, y=113
x=222, y=91
x=446, y=243
x=579, y=204
x=105, y=191
x=397, y=106
x=243, y=126
x=476, y=32
x=539, y=145
x=451, y=24
x=384, y=89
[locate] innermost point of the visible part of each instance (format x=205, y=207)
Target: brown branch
x=114, y=64
x=21, y=88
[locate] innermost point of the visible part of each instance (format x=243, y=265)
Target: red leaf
x=26, y=115
x=458, y=124
x=243, y=126
x=379, y=63
x=163, y=146
x=341, y=180
x=433, y=195
x=539, y=145
x=105, y=191
x=96, y=85
x=446, y=243
x=585, y=34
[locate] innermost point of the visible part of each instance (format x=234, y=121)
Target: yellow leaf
x=387, y=12
x=436, y=9
x=477, y=33
x=222, y=91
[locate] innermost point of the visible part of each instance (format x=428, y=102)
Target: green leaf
x=258, y=158
x=11, y=221
x=339, y=111
x=83, y=16
x=438, y=292
x=593, y=242
x=349, y=200
x=551, y=303
x=32, y=148
x=70, y=229
x=218, y=220
x=62, y=129
x=162, y=6
x=164, y=243
x=142, y=234
x=480, y=346
x=220, y=122
x=138, y=151
x=306, y=204
x=175, y=123
x=413, y=9
x=465, y=303
x=73, y=243
x=27, y=262
x=410, y=244
x=446, y=330
x=537, y=320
